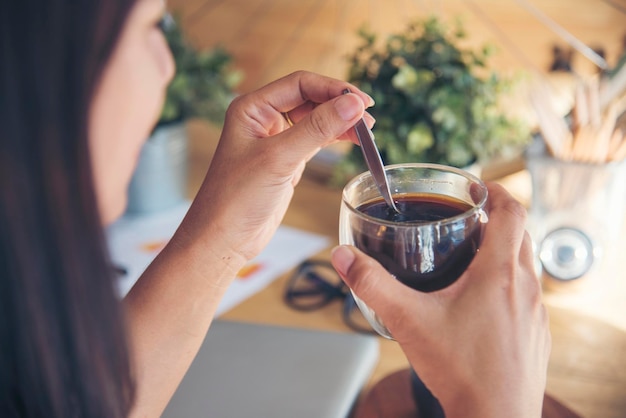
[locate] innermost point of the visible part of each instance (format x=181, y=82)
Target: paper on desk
x=134, y=241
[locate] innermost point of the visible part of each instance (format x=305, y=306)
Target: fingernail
x=371, y=101
x=342, y=258
x=346, y=108
x=371, y=121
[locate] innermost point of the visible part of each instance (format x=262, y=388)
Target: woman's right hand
x=260, y=158
x=482, y=344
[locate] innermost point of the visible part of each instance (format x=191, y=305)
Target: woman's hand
x=245, y=194
x=482, y=344
x=260, y=158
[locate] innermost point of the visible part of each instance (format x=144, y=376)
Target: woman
x=81, y=83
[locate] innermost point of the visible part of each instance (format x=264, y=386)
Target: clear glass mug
x=427, y=254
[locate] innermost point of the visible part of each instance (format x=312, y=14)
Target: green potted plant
x=203, y=87
x=435, y=102
x=204, y=82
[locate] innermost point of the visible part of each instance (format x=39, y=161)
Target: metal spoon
x=373, y=161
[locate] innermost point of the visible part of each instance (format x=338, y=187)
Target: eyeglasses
x=314, y=284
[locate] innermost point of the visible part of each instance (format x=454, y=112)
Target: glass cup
x=431, y=243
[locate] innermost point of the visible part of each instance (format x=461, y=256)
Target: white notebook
x=248, y=370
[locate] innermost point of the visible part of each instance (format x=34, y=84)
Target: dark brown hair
x=63, y=348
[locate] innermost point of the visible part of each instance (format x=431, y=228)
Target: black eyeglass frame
x=322, y=287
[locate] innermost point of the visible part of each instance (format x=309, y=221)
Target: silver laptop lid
x=248, y=370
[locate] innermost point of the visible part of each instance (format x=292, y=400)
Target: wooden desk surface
x=587, y=370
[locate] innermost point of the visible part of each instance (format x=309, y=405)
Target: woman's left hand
x=260, y=157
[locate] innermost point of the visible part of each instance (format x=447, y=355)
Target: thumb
x=324, y=124
x=382, y=292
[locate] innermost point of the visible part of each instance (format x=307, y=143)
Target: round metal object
x=566, y=253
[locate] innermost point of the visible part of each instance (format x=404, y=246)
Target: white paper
x=134, y=241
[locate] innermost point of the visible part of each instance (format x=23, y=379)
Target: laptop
x=250, y=370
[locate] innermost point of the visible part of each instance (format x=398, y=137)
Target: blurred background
x=267, y=39
x=270, y=38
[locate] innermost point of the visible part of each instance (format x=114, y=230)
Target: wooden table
x=587, y=371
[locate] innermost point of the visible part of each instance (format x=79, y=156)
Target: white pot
x=160, y=179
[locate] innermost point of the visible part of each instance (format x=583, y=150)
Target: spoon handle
x=373, y=161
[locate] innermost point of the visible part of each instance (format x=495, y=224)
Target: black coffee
x=430, y=260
